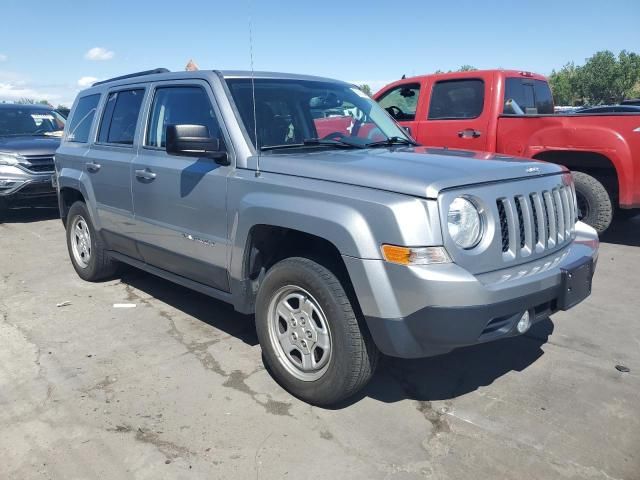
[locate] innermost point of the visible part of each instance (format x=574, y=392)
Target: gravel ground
x=175, y=387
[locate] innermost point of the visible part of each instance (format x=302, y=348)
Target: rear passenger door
x=457, y=116
x=180, y=202
x=108, y=166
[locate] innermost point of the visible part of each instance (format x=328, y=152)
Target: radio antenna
x=253, y=91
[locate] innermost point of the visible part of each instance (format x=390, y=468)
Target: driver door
x=402, y=103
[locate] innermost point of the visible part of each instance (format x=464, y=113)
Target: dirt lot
x=175, y=387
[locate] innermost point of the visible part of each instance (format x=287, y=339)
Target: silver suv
x=298, y=199
x=29, y=136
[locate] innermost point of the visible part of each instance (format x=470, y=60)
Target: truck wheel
x=311, y=339
x=594, y=203
x=86, y=249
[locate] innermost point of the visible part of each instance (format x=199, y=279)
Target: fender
x=76, y=180
x=568, y=136
x=346, y=229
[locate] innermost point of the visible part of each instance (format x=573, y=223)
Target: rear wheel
x=86, y=250
x=595, y=207
x=311, y=339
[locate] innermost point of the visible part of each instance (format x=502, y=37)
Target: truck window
x=179, y=105
x=532, y=96
x=82, y=119
x=402, y=101
x=121, y=117
x=457, y=99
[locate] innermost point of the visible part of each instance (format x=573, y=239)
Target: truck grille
x=536, y=222
x=39, y=164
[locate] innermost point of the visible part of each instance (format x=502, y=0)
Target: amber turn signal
x=414, y=255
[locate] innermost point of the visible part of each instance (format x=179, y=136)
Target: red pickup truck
x=512, y=113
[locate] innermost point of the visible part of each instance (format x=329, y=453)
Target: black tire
x=99, y=266
x=354, y=355
x=595, y=207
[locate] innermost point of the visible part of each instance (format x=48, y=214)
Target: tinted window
x=121, y=117
x=401, y=102
x=454, y=99
x=82, y=119
x=176, y=106
x=532, y=96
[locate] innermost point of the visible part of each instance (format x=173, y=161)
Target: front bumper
x=20, y=188
x=423, y=311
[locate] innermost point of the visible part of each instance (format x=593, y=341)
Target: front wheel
x=311, y=339
x=86, y=250
x=595, y=207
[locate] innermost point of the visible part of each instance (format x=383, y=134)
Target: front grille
x=39, y=164
x=536, y=222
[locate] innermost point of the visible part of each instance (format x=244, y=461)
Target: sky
x=51, y=50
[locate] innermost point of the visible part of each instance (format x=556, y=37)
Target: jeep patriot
x=300, y=200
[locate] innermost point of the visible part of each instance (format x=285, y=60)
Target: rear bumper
x=424, y=311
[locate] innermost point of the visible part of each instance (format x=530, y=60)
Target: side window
x=80, y=125
x=121, y=117
x=176, y=106
x=401, y=102
x=457, y=99
x=532, y=96
x=544, y=99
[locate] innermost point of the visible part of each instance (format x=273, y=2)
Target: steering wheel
x=394, y=111
x=334, y=136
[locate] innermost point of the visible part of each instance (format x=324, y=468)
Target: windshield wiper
x=392, y=141
x=314, y=142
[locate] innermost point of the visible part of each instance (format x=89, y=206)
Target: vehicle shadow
x=459, y=372
x=624, y=231
x=29, y=214
x=437, y=378
x=213, y=312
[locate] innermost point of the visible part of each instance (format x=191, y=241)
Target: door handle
x=469, y=133
x=93, y=166
x=145, y=174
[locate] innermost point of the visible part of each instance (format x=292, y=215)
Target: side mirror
x=194, y=141
x=408, y=130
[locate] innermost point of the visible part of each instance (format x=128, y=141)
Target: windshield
x=22, y=120
x=300, y=112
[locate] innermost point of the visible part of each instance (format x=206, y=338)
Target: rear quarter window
x=82, y=119
x=456, y=99
x=532, y=96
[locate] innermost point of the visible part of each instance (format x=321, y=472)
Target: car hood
x=29, y=145
x=416, y=171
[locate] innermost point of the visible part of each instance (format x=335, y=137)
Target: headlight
x=8, y=158
x=464, y=223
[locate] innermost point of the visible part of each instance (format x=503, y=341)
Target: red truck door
x=402, y=101
x=457, y=115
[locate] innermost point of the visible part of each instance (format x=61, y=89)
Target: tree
x=604, y=78
x=565, y=85
x=599, y=78
x=467, y=68
x=366, y=89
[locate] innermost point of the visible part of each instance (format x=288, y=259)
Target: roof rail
x=132, y=75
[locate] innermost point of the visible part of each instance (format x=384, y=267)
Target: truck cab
x=511, y=112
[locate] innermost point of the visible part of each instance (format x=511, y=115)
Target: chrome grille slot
x=39, y=164
x=536, y=222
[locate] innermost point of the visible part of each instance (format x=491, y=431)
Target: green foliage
x=604, y=78
x=366, y=89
